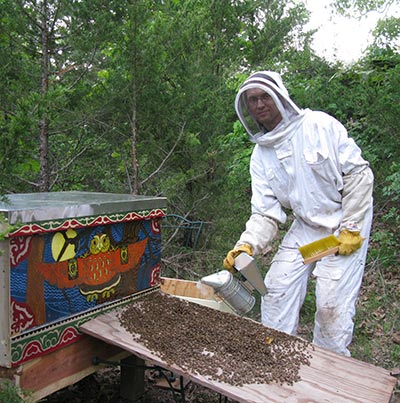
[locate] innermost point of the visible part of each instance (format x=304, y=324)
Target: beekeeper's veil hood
x=271, y=83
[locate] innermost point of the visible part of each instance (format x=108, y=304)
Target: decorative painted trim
x=80, y=222
x=49, y=338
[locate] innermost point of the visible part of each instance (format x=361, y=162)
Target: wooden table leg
x=132, y=378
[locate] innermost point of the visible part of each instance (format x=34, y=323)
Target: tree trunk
x=135, y=167
x=44, y=180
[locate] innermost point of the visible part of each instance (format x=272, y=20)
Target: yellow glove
x=229, y=261
x=349, y=241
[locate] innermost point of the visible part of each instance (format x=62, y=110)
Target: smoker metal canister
x=231, y=290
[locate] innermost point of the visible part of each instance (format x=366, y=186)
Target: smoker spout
x=246, y=265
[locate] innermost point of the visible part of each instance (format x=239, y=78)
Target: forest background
x=136, y=96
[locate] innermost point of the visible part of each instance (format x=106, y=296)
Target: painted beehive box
x=67, y=256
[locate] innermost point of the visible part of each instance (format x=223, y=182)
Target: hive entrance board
x=328, y=378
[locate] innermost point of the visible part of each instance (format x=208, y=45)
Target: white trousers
x=338, y=281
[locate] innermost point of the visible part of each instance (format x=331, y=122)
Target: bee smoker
x=237, y=292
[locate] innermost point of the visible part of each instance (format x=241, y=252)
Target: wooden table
x=331, y=378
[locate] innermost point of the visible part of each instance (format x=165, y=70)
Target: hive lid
x=33, y=207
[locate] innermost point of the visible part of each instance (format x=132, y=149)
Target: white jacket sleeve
x=358, y=182
x=260, y=231
x=266, y=211
x=356, y=198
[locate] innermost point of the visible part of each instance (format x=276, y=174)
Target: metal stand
x=170, y=378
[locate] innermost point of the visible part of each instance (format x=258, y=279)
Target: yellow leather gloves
x=350, y=241
x=229, y=261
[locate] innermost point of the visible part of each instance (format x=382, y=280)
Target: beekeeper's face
x=263, y=108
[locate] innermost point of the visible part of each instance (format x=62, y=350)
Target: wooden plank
x=329, y=378
x=186, y=288
x=66, y=366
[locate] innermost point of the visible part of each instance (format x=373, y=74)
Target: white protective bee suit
x=309, y=165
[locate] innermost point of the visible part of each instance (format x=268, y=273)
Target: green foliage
x=5, y=227
x=9, y=393
x=360, y=7
x=146, y=68
x=387, y=34
x=392, y=188
x=238, y=148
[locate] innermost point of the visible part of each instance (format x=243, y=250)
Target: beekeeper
x=304, y=161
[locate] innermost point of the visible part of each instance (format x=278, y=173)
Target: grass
x=9, y=393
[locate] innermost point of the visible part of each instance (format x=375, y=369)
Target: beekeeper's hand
x=229, y=261
x=350, y=241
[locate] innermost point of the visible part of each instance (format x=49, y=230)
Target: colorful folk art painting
x=59, y=274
